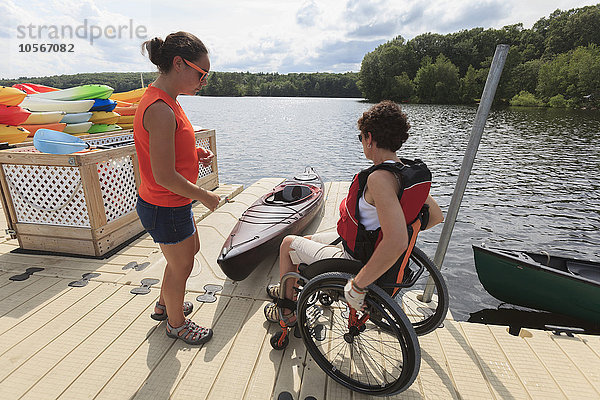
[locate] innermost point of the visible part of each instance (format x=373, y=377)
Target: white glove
x=354, y=296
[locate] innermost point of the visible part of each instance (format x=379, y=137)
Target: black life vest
x=415, y=182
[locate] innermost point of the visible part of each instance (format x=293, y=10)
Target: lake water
x=535, y=184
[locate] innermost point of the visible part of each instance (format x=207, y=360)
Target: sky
x=242, y=35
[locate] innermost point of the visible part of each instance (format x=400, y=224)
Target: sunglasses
x=203, y=73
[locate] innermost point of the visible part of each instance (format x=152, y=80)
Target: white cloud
x=262, y=35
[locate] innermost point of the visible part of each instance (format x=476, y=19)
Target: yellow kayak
x=126, y=126
x=104, y=117
x=12, y=134
x=126, y=119
x=10, y=96
x=133, y=96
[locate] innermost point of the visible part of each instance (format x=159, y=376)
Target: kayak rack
x=81, y=203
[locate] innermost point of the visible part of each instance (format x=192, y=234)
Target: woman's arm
x=383, y=189
x=435, y=213
x=160, y=123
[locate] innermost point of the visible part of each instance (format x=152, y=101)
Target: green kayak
x=557, y=284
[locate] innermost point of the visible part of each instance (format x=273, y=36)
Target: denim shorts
x=166, y=225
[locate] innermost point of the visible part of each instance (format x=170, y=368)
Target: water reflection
x=535, y=183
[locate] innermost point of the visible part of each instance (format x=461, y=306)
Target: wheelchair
x=375, y=352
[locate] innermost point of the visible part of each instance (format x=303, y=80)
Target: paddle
x=55, y=142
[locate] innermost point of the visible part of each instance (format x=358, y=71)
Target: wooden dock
x=98, y=341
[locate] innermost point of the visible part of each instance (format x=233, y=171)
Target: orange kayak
x=10, y=96
x=33, y=128
x=129, y=110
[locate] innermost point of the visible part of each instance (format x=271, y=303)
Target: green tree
x=438, y=82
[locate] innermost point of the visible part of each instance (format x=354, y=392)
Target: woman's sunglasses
x=203, y=73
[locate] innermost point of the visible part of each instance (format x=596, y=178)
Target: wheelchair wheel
x=424, y=316
x=355, y=352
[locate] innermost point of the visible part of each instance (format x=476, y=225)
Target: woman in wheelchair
x=379, y=219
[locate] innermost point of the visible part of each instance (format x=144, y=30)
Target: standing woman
x=168, y=161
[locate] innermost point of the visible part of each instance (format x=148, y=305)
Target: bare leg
x=286, y=265
x=180, y=261
x=161, y=299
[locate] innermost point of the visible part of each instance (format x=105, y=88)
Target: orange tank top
x=186, y=158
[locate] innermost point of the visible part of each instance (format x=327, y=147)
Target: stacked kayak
x=127, y=106
x=104, y=117
x=12, y=115
x=86, y=108
x=83, y=92
x=131, y=97
x=32, y=88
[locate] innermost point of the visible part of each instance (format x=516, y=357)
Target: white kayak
x=74, y=106
x=44, y=117
x=82, y=127
x=76, y=118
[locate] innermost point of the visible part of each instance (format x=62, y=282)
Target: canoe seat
x=584, y=270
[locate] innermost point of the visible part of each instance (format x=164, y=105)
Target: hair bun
x=154, y=47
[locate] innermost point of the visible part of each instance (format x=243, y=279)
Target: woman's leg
x=286, y=265
x=161, y=299
x=180, y=261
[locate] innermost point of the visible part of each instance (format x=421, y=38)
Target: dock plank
x=268, y=362
x=50, y=370
x=40, y=343
x=564, y=371
x=464, y=363
x=208, y=362
x=436, y=378
x=134, y=375
x=96, y=375
x=499, y=373
x=536, y=378
x=236, y=372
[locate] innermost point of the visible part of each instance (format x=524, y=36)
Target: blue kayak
x=104, y=105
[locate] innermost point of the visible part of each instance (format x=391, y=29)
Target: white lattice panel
x=47, y=195
x=109, y=139
x=117, y=181
x=204, y=143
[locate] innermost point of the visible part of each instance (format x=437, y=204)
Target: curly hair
x=387, y=124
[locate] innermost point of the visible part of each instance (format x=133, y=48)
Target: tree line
x=556, y=63
x=220, y=83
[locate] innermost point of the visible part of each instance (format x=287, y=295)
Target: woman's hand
x=210, y=200
x=355, y=296
x=205, y=156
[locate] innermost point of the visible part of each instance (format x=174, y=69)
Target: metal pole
x=465, y=170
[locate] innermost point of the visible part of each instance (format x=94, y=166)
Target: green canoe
x=557, y=284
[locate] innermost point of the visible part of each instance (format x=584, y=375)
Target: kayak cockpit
x=289, y=194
